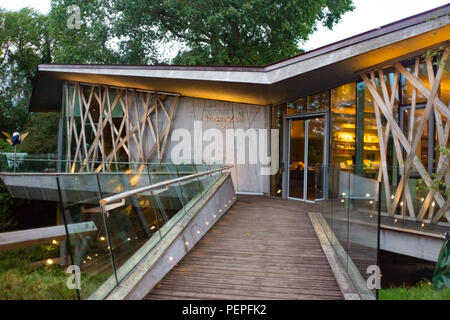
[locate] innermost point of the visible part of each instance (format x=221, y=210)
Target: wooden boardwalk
x=262, y=248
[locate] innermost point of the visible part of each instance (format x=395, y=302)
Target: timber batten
x=127, y=123
x=408, y=143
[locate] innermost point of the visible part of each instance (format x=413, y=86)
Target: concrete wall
x=411, y=244
x=225, y=115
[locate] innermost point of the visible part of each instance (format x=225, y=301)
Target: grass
x=25, y=276
x=423, y=291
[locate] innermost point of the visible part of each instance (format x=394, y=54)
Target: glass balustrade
x=105, y=242
x=356, y=208
x=123, y=232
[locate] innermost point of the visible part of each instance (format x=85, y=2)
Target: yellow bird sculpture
x=16, y=138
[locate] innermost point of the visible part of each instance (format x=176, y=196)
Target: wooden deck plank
x=263, y=248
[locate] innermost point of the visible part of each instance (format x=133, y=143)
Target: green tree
x=225, y=32
x=5, y=147
x=90, y=43
x=222, y=32
x=23, y=46
x=24, y=43
x=43, y=136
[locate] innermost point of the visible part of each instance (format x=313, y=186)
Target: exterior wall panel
x=221, y=115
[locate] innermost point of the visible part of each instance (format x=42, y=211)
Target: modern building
x=355, y=105
x=357, y=130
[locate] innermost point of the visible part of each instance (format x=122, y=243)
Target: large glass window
x=368, y=158
x=297, y=159
x=296, y=107
x=445, y=86
x=367, y=144
x=319, y=101
x=343, y=126
x=313, y=103
x=389, y=77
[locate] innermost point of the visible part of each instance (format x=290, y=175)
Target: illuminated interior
x=352, y=127
x=407, y=88
x=297, y=107
x=367, y=149
x=297, y=159
x=343, y=125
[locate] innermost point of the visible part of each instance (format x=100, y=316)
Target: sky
x=368, y=15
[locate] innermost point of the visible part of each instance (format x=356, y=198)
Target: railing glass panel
x=363, y=225
x=138, y=221
x=350, y=209
x=106, y=241
x=417, y=205
x=132, y=221
x=87, y=232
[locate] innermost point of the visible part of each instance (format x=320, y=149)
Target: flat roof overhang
x=305, y=74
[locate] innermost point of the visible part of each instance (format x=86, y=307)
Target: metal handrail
x=30, y=159
x=126, y=194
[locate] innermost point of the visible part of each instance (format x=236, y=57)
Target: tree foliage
x=224, y=32
x=89, y=44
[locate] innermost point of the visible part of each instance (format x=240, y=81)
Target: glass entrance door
x=306, y=158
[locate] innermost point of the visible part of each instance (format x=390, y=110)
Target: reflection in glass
x=316, y=133
x=389, y=77
x=319, y=101
x=306, y=153
x=422, y=148
x=88, y=233
x=133, y=223
x=437, y=144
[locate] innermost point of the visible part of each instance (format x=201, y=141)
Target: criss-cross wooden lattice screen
x=406, y=144
x=105, y=124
